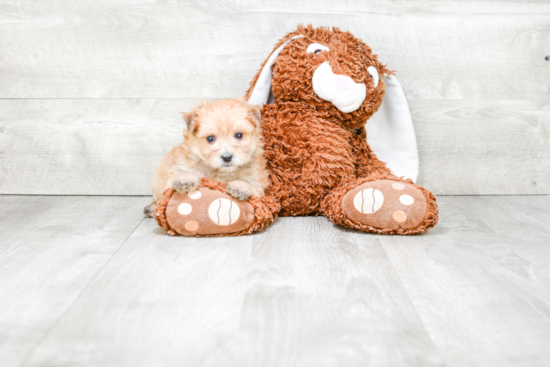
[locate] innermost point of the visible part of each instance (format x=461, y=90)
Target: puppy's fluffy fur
x=222, y=141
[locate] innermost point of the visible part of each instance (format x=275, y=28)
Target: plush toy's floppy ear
x=260, y=92
x=390, y=132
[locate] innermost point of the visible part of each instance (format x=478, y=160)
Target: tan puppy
x=222, y=141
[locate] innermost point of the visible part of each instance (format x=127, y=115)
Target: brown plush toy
x=321, y=86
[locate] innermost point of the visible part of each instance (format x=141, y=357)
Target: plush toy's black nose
x=227, y=157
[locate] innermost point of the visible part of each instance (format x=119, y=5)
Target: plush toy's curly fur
x=293, y=72
x=315, y=152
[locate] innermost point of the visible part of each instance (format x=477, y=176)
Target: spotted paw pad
x=208, y=212
x=385, y=204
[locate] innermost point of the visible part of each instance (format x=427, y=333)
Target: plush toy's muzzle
x=341, y=90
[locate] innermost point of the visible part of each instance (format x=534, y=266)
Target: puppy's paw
x=149, y=210
x=187, y=183
x=240, y=190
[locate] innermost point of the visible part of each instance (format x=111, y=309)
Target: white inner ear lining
x=262, y=88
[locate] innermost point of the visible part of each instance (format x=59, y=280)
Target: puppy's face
x=224, y=134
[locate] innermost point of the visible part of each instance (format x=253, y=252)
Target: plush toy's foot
x=383, y=206
x=207, y=212
x=211, y=212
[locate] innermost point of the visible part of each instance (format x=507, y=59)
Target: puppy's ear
x=256, y=114
x=188, y=119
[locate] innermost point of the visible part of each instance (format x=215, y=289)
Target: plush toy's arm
x=366, y=162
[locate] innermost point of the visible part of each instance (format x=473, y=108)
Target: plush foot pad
x=207, y=212
x=385, y=204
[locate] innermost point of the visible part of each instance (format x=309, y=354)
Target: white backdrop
x=91, y=92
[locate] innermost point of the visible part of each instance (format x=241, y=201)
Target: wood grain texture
x=84, y=146
x=301, y=293
x=212, y=49
x=480, y=280
x=112, y=147
x=50, y=250
x=474, y=291
x=473, y=147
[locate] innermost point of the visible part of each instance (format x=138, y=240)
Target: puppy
x=222, y=141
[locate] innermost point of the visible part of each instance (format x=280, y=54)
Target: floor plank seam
x=54, y=325
x=439, y=352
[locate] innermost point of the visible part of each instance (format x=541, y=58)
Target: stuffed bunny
x=318, y=88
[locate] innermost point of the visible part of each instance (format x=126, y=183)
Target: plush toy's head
x=328, y=70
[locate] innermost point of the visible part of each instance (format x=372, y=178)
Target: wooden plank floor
x=86, y=281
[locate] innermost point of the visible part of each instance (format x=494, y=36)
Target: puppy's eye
x=210, y=138
x=317, y=48
x=238, y=135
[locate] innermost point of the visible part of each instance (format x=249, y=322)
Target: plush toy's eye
x=317, y=48
x=210, y=138
x=374, y=74
x=238, y=135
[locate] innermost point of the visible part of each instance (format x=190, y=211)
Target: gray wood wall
x=91, y=91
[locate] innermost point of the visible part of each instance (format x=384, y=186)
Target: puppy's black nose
x=227, y=157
